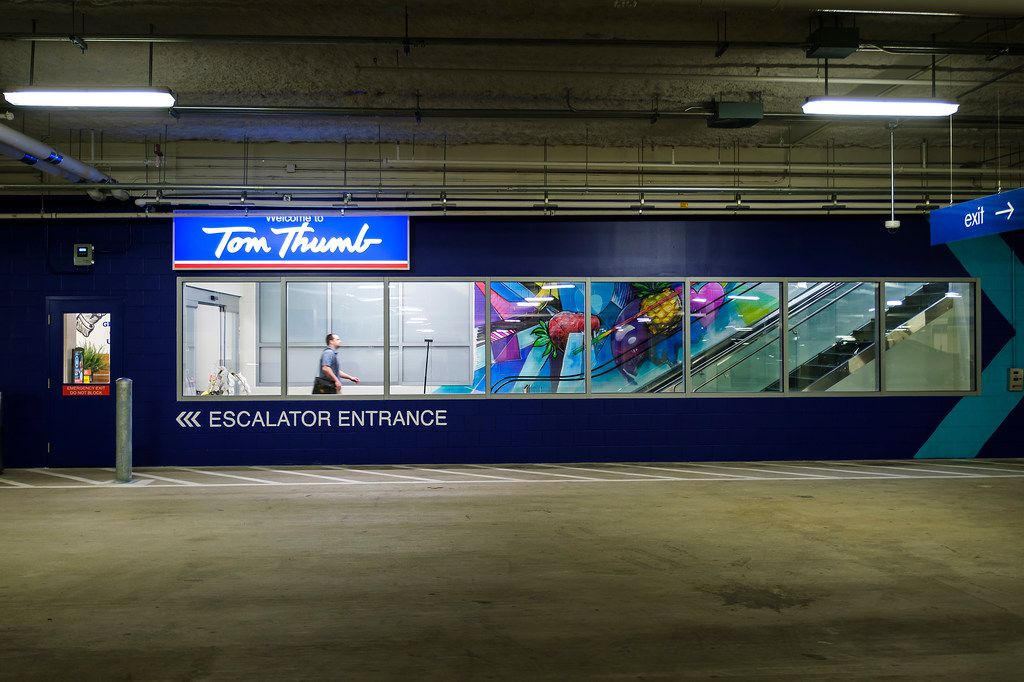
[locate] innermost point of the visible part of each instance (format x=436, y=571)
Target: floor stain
x=759, y=597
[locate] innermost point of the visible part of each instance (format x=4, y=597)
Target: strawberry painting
x=553, y=337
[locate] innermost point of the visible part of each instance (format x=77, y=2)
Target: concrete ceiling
x=494, y=88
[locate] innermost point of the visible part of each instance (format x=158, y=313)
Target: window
x=929, y=336
x=639, y=344
x=734, y=337
x=537, y=337
x=86, y=348
x=437, y=337
x=477, y=337
x=225, y=341
x=832, y=335
x=354, y=311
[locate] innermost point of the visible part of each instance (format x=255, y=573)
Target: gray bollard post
x=124, y=430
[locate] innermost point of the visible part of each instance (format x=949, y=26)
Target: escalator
x=844, y=356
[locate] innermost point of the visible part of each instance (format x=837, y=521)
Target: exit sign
x=979, y=217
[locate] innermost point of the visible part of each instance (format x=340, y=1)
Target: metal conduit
x=451, y=190
x=572, y=114
x=900, y=47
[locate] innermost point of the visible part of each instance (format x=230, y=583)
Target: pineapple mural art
x=661, y=303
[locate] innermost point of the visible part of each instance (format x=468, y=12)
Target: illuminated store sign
x=275, y=241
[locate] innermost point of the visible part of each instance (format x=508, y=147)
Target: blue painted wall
x=133, y=263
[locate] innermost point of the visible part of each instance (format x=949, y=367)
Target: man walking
x=329, y=368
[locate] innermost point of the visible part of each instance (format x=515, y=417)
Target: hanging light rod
x=96, y=98
x=858, y=106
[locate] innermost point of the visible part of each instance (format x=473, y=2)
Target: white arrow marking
x=188, y=419
x=1009, y=211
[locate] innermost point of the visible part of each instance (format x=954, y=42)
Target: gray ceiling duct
x=43, y=157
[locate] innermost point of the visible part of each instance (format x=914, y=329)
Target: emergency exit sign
x=979, y=217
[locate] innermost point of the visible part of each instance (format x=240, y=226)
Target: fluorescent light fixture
x=558, y=286
x=538, y=299
x=643, y=319
x=104, y=98
x=953, y=294
x=512, y=319
x=526, y=304
x=858, y=106
x=893, y=304
x=699, y=300
x=801, y=285
x=739, y=297
x=891, y=12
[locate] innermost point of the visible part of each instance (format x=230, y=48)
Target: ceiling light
x=558, y=286
x=107, y=98
x=538, y=299
x=741, y=297
x=856, y=106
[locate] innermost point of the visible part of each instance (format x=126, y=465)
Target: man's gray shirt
x=329, y=358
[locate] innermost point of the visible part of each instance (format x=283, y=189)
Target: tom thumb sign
x=301, y=241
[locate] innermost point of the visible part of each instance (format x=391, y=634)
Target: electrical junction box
x=1016, y=379
x=833, y=42
x=736, y=114
x=83, y=254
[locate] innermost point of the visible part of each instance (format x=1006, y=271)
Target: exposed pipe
x=760, y=77
x=32, y=162
x=895, y=47
x=469, y=190
x=38, y=154
x=395, y=166
x=574, y=113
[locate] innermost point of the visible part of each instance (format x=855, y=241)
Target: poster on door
x=86, y=354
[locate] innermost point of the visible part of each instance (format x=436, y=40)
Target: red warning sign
x=86, y=389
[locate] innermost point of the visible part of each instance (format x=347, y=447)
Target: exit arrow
x=1008, y=211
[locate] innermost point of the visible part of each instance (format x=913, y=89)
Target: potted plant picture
x=97, y=363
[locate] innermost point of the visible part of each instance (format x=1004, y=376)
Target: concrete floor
x=767, y=579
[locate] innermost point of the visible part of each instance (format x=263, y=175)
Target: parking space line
x=221, y=473
x=848, y=470
x=289, y=472
x=16, y=484
x=759, y=469
x=374, y=472
x=179, y=481
x=547, y=473
x=462, y=473
x=624, y=473
x=69, y=476
x=983, y=467
x=914, y=467
x=683, y=469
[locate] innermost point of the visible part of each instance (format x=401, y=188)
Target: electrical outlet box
x=83, y=254
x=1016, y=382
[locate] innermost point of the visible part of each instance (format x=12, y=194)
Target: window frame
x=686, y=394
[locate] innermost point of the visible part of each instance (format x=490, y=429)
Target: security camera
x=892, y=226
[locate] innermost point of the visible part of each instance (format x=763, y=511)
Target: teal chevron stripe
x=974, y=419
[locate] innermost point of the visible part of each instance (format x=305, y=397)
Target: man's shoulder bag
x=323, y=386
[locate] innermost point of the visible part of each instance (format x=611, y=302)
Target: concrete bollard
x=123, y=427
